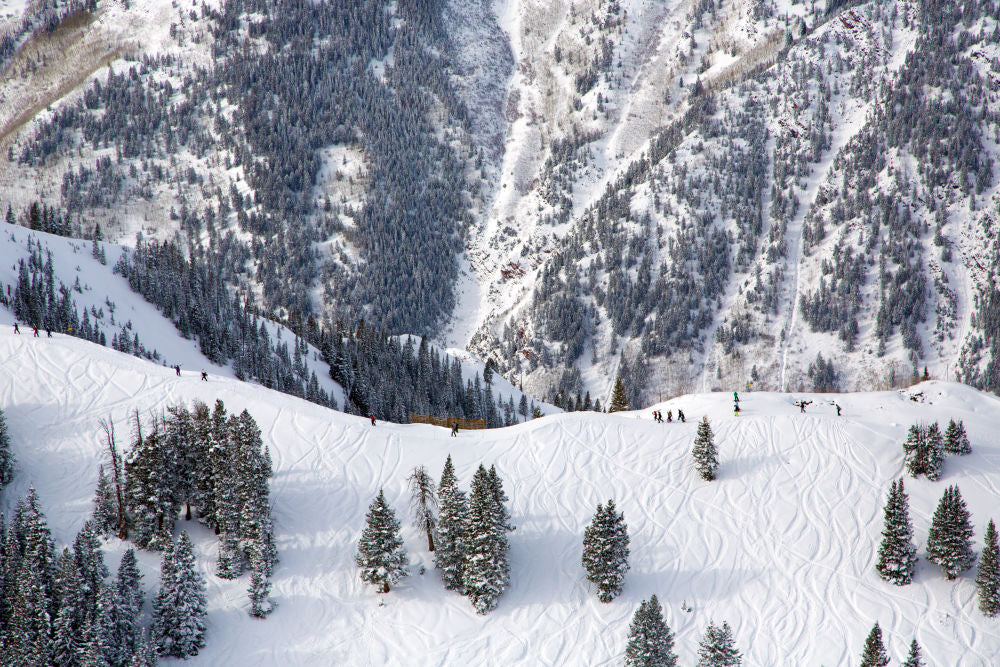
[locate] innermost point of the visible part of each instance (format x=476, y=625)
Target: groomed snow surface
x=782, y=545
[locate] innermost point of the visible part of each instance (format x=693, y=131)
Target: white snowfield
x=782, y=545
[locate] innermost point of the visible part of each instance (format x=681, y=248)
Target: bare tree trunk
x=385, y=586
x=430, y=539
x=109, y=435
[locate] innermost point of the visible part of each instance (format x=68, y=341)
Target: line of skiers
x=658, y=416
x=17, y=330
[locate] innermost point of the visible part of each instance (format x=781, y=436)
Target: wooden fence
x=447, y=422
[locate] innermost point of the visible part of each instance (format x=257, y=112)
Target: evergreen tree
x=486, y=570
x=381, y=555
x=706, y=456
x=650, y=641
x=949, y=542
x=6, y=458
x=605, y=551
x=988, y=577
x=180, y=606
x=423, y=502
x=913, y=450
x=145, y=655
x=897, y=555
x=874, y=654
x=718, y=648
x=956, y=441
x=90, y=561
x=260, y=589
x=30, y=608
x=449, y=558
x=934, y=454
x=914, y=659
x=496, y=486
x=618, y=401
x=105, y=515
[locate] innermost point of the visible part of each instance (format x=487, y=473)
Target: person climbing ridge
x=454, y=430
x=656, y=419
x=17, y=329
x=736, y=397
x=680, y=416
x=372, y=417
x=178, y=369
x=736, y=409
x=35, y=330
x=670, y=416
x=48, y=332
x=837, y=405
x=204, y=375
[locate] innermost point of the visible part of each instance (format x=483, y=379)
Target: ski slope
x=782, y=546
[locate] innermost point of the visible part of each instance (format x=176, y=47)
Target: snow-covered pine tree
x=988, y=577
x=179, y=437
x=6, y=458
x=897, y=555
x=949, y=541
x=706, y=456
x=913, y=450
x=650, y=641
x=914, y=659
x=180, y=606
x=29, y=627
x=449, y=557
x=718, y=648
x=933, y=453
x=203, y=485
x=128, y=587
x=69, y=623
x=90, y=561
x=956, y=441
x=618, y=401
x=605, y=551
x=253, y=493
x=113, y=628
x=381, y=556
x=260, y=589
x=105, y=514
x=874, y=654
x=145, y=654
x=486, y=571
x=423, y=503
x=496, y=484
x=149, y=496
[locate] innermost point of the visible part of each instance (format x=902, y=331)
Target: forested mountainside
x=684, y=196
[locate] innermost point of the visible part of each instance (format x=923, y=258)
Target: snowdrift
x=782, y=545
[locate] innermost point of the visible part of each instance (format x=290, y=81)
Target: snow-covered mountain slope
x=782, y=546
x=686, y=195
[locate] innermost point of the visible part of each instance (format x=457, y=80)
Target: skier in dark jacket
x=680, y=416
x=837, y=405
x=454, y=430
x=17, y=329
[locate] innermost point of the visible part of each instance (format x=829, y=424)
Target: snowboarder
x=680, y=416
x=372, y=417
x=837, y=405
x=17, y=329
x=204, y=375
x=454, y=430
x=670, y=416
x=736, y=409
x=736, y=397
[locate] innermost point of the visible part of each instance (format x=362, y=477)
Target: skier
x=803, y=404
x=656, y=417
x=680, y=416
x=35, y=330
x=372, y=417
x=670, y=416
x=204, y=375
x=17, y=329
x=454, y=430
x=736, y=397
x=736, y=409
x=178, y=369
x=837, y=405
x=48, y=332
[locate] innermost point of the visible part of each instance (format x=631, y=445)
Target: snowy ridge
x=782, y=546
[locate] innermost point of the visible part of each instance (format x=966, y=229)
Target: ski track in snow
x=782, y=546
